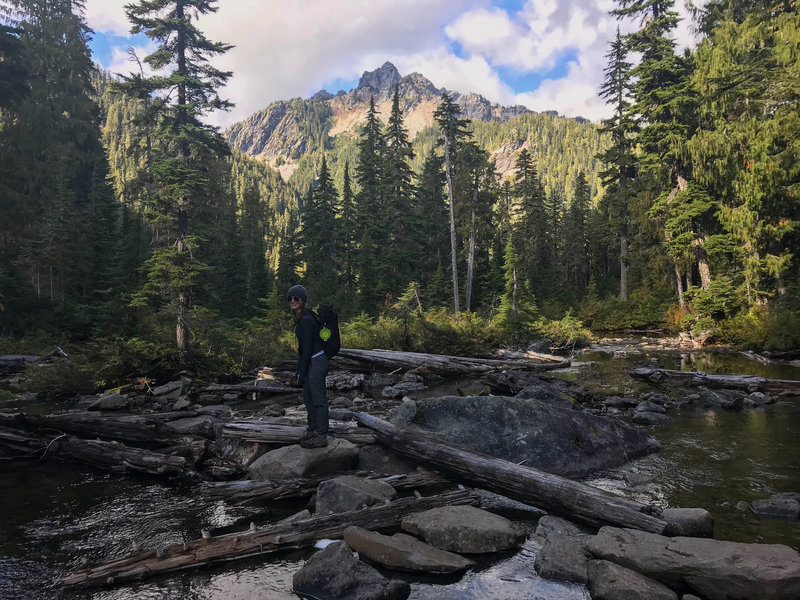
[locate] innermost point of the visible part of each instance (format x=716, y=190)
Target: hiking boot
x=309, y=433
x=318, y=441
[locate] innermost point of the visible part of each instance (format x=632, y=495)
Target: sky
x=542, y=54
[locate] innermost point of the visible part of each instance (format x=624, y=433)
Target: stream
x=56, y=518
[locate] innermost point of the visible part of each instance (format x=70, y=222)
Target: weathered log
x=108, y=456
x=240, y=492
x=550, y=492
x=150, y=431
x=256, y=387
x=145, y=563
x=14, y=363
x=441, y=364
x=746, y=383
x=282, y=435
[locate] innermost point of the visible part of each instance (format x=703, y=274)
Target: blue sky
x=543, y=54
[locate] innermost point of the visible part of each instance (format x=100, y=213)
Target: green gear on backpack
x=325, y=334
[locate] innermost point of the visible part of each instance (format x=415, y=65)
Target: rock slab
x=464, y=529
x=291, y=462
x=335, y=573
x=712, y=569
x=349, y=492
x=403, y=552
x=608, y=581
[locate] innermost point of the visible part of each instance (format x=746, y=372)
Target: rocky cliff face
x=278, y=130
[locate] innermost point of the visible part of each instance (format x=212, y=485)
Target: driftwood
x=282, y=435
x=256, y=387
x=297, y=534
x=550, y=492
x=246, y=491
x=443, y=365
x=14, y=363
x=745, y=383
x=108, y=456
x=150, y=431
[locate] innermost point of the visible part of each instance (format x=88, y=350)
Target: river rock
x=549, y=525
x=727, y=399
x=648, y=406
x=536, y=433
x=376, y=458
x=651, y=419
x=401, y=551
x=221, y=411
x=350, y=492
x=464, y=529
x=200, y=425
x=620, y=402
x=689, y=522
x=110, y=401
x=563, y=557
x=171, y=390
x=291, y=462
x=402, y=389
x=609, y=581
x=713, y=569
x=777, y=508
x=335, y=573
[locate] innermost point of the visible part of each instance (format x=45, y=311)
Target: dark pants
x=314, y=395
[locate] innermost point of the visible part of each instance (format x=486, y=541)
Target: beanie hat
x=298, y=291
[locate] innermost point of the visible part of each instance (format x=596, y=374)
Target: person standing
x=312, y=367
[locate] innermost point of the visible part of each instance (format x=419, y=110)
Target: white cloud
x=289, y=49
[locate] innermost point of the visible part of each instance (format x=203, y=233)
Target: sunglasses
x=293, y=299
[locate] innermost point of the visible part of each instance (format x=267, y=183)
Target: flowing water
x=57, y=517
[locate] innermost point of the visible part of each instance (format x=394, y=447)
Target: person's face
x=295, y=302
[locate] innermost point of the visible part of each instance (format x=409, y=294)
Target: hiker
x=312, y=367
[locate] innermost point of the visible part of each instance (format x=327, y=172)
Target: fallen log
x=745, y=383
x=441, y=364
x=552, y=493
x=241, y=492
x=283, y=435
x=256, y=387
x=14, y=363
x=150, y=431
x=108, y=456
x=297, y=534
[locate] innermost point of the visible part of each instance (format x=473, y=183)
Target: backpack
x=329, y=330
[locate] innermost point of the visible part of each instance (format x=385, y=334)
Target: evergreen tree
x=453, y=130
x=318, y=236
x=183, y=144
x=576, y=243
x=370, y=230
x=346, y=240
x=532, y=250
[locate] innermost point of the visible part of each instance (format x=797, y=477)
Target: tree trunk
x=624, y=291
x=297, y=534
x=550, y=492
x=702, y=264
x=471, y=257
x=745, y=383
x=449, y=175
x=679, y=287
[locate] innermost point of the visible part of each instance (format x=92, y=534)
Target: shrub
x=565, y=334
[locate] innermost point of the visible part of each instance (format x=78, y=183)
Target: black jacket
x=308, y=341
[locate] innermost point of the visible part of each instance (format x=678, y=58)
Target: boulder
x=335, y=573
x=403, y=552
x=171, y=390
x=549, y=525
x=727, y=399
x=608, y=581
x=110, y=401
x=563, y=557
x=647, y=406
x=290, y=462
x=657, y=398
x=340, y=414
x=216, y=410
x=546, y=393
x=349, y=492
x=689, y=522
x=379, y=459
x=620, y=402
x=464, y=529
x=777, y=508
x=712, y=569
x=200, y=425
x=550, y=436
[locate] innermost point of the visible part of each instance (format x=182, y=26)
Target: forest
x=133, y=236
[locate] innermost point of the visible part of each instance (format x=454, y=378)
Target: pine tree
x=183, y=143
x=370, y=230
x=576, y=244
x=318, y=235
x=532, y=250
x=619, y=156
x=453, y=130
x=346, y=240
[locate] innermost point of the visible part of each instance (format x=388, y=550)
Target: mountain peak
x=380, y=80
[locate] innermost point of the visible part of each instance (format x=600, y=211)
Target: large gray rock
x=563, y=557
x=777, y=508
x=379, y=459
x=608, y=581
x=691, y=522
x=651, y=419
x=550, y=525
x=713, y=569
x=291, y=462
x=464, y=529
x=110, y=401
x=548, y=436
x=335, y=574
x=349, y=492
x=401, y=551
